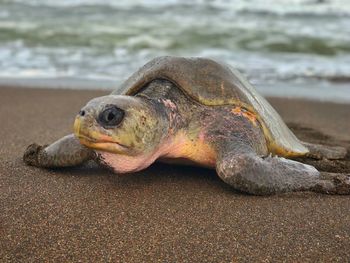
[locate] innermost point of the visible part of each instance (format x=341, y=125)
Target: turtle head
x=123, y=125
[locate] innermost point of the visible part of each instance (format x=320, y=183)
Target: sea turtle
x=194, y=111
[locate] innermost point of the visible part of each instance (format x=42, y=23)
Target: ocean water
x=285, y=47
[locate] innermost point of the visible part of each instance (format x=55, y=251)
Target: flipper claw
x=31, y=154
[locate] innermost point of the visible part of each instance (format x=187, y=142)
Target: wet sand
x=165, y=213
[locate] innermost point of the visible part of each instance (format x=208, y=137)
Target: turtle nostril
x=82, y=113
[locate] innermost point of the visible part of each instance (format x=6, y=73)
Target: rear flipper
x=250, y=173
x=67, y=151
x=318, y=151
x=340, y=183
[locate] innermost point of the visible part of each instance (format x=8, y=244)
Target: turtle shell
x=211, y=83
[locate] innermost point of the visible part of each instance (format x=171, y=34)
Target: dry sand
x=165, y=213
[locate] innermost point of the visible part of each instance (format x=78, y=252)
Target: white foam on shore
x=284, y=47
x=316, y=90
x=273, y=6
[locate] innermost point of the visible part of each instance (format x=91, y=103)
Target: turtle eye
x=110, y=117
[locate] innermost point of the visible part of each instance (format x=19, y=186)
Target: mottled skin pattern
x=215, y=124
x=161, y=122
x=212, y=83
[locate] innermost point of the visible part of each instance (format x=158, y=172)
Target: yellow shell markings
x=246, y=114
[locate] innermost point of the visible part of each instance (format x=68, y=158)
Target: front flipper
x=65, y=152
x=250, y=173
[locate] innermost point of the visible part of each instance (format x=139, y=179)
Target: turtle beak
x=78, y=121
x=81, y=124
x=76, y=127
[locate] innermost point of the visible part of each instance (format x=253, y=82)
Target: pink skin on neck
x=128, y=164
x=177, y=147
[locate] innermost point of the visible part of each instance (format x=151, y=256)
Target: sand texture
x=166, y=213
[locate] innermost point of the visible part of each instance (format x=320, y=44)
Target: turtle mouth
x=105, y=145
x=98, y=141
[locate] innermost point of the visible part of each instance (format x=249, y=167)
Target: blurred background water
x=285, y=47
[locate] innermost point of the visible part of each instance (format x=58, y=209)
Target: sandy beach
x=165, y=213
